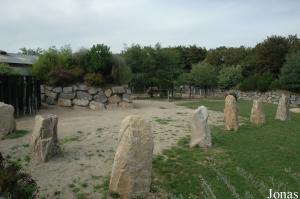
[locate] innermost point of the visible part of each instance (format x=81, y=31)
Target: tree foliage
x=5, y=69
x=204, y=75
x=290, y=73
x=100, y=59
x=230, y=76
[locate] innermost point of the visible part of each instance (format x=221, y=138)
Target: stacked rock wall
x=82, y=95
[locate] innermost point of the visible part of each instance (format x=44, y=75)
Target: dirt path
x=89, y=139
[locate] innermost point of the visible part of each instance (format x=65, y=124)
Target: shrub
x=94, y=79
x=100, y=59
x=5, y=69
x=264, y=81
x=290, y=73
x=229, y=76
x=121, y=73
x=14, y=183
x=61, y=77
x=204, y=75
x=248, y=84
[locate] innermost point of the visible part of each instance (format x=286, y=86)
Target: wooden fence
x=23, y=92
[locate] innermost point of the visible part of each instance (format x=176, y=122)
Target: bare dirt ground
x=88, y=141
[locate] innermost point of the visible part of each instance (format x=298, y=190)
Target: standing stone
x=44, y=138
x=257, y=113
x=231, y=114
x=201, y=135
x=131, y=172
x=96, y=106
x=7, y=120
x=108, y=92
x=283, y=112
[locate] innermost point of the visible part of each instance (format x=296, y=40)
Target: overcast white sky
x=81, y=23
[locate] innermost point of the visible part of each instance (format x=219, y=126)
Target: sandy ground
x=89, y=139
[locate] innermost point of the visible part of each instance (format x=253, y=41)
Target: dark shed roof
x=14, y=58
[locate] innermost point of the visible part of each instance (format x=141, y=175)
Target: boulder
x=118, y=90
x=68, y=89
x=93, y=90
x=231, y=114
x=64, y=102
x=257, y=112
x=57, y=90
x=81, y=102
x=96, y=106
x=132, y=167
x=108, y=92
x=49, y=88
x=126, y=97
x=114, y=99
x=51, y=94
x=201, y=135
x=67, y=95
x=82, y=87
x=283, y=112
x=44, y=137
x=7, y=120
x=100, y=97
x=84, y=95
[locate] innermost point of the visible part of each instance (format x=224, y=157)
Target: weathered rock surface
x=84, y=95
x=114, y=99
x=68, y=89
x=7, y=120
x=131, y=172
x=97, y=106
x=201, y=135
x=231, y=114
x=44, y=138
x=108, y=92
x=51, y=94
x=126, y=98
x=257, y=112
x=118, y=90
x=283, y=112
x=93, y=90
x=100, y=97
x=81, y=87
x=67, y=95
x=57, y=89
x=50, y=100
x=64, y=102
x=81, y=102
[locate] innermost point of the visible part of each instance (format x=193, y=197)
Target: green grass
x=17, y=134
x=241, y=164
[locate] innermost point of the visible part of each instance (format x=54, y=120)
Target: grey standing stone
x=283, y=112
x=257, y=112
x=100, y=97
x=44, y=137
x=7, y=120
x=132, y=167
x=201, y=135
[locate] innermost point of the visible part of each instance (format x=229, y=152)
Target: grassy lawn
x=243, y=164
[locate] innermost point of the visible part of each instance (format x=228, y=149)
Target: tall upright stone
x=7, y=120
x=44, y=137
x=201, y=135
x=283, y=112
x=131, y=172
x=257, y=112
x=231, y=114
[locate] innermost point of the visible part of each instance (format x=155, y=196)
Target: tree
x=121, y=73
x=5, y=69
x=100, y=59
x=204, y=75
x=229, y=76
x=31, y=51
x=290, y=73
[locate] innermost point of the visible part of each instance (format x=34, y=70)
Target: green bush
x=121, y=73
x=264, y=81
x=204, y=75
x=100, y=59
x=248, y=84
x=5, y=69
x=229, y=76
x=14, y=183
x=61, y=77
x=290, y=73
x=94, y=79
